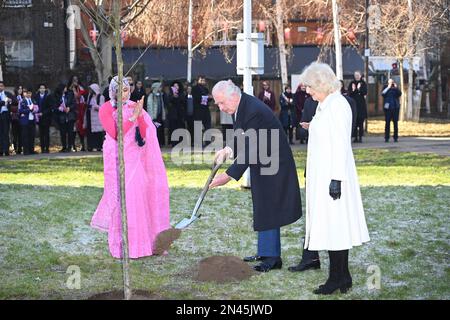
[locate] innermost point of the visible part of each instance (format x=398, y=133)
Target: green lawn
x=46, y=207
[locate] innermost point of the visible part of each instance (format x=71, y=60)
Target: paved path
x=440, y=146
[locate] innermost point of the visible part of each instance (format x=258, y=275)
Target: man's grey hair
x=226, y=87
x=320, y=77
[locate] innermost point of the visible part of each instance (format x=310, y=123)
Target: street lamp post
x=248, y=86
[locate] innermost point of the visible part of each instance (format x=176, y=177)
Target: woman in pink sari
x=147, y=191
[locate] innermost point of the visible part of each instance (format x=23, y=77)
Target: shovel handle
x=214, y=170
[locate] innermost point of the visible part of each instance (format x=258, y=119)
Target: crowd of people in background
x=73, y=108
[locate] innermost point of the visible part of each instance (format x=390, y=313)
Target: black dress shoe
x=269, y=264
x=252, y=258
x=303, y=266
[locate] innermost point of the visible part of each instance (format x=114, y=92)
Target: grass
x=46, y=207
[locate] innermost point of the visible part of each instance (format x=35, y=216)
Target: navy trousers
x=269, y=243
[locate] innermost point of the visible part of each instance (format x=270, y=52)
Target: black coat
x=69, y=100
x=276, y=197
x=309, y=110
x=352, y=104
x=45, y=108
x=200, y=110
x=359, y=95
x=137, y=94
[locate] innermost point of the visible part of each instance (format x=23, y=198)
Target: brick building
x=34, y=46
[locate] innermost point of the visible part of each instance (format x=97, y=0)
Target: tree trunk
x=402, y=88
x=439, y=79
x=106, y=63
x=410, y=104
x=337, y=42
x=281, y=44
x=409, y=107
x=102, y=58
x=123, y=209
x=427, y=83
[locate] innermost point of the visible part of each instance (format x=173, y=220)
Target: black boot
x=346, y=272
x=336, y=278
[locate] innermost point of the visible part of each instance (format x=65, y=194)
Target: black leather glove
x=335, y=189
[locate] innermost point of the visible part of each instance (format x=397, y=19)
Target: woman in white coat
x=334, y=212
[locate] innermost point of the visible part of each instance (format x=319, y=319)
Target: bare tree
x=278, y=13
x=401, y=29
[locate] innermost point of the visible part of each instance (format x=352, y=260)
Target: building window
x=19, y=53
x=17, y=3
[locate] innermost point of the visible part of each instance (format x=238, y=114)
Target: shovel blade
x=184, y=223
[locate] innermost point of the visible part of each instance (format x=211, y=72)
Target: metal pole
x=189, y=65
x=409, y=113
x=248, y=86
x=366, y=56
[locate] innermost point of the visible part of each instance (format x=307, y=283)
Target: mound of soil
x=165, y=239
x=118, y=295
x=223, y=269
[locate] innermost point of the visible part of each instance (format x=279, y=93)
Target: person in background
x=175, y=109
x=391, y=95
x=202, y=97
x=15, y=124
x=131, y=83
x=287, y=113
x=95, y=132
x=157, y=110
x=352, y=104
x=45, y=117
x=148, y=90
x=267, y=96
x=309, y=110
x=105, y=93
x=80, y=101
x=66, y=111
x=300, y=97
x=28, y=116
x=6, y=101
x=189, y=105
x=138, y=92
x=357, y=90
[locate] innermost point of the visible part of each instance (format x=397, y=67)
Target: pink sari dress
x=147, y=190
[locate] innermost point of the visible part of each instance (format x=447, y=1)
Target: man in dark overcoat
x=274, y=184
